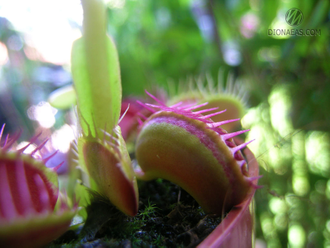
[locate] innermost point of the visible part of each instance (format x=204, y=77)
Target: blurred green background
x=287, y=80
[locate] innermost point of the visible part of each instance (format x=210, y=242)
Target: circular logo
x=294, y=17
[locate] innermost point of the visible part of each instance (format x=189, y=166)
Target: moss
x=162, y=221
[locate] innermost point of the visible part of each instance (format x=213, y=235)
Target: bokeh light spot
x=297, y=236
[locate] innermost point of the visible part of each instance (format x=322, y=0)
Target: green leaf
x=63, y=98
x=96, y=73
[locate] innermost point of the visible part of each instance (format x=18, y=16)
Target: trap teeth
x=241, y=146
x=213, y=114
x=231, y=135
x=220, y=123
x=206, y=110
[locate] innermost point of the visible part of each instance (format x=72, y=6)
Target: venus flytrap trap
x=32, y=210
x=101, y=148
x=189, y=149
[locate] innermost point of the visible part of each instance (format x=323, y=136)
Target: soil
x=167, y=217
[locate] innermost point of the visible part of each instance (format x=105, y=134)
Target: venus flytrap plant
x=32, y=210
x=189, y=149
x=183, y=143
x=101, y=148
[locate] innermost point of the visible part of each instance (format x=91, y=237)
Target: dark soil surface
x=162, y=221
